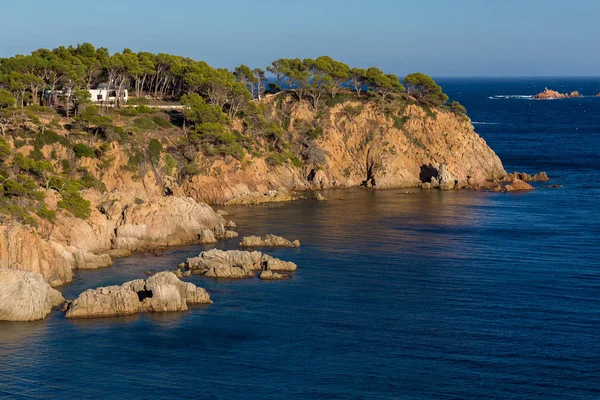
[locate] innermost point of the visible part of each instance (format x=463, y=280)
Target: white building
x=100, y=95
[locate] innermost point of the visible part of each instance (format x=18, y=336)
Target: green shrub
x=65, y=165
x=38, y=108
x=295, y=161
x=155, y=150
x=144, y=109
x=277, y=159
x=5, y=150
x=145, y=124
x=134, y=161
x=399, y=121
x=82, y=150
x=137, y=101
x=162, y=122
x=457, y=108
x=45, y=213
x=75, y=204
x=315, y=133
x=170, y=163
x=36, y=154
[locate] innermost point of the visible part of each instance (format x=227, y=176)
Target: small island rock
x=235, y=264
x=161, y=292
x=553, y=94
x=268, y=241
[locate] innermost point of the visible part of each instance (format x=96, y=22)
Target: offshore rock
x=25, y=296
x=268, y=241
x=320, y=197
x=553, y=94
x=541, y=177
x=235, y=264
x=159, y=293
x=516, y=186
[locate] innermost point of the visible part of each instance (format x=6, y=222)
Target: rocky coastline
x=148, y=209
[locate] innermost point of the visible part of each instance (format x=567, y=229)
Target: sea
x=400, y=294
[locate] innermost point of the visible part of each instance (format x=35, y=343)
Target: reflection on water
x=397, y=295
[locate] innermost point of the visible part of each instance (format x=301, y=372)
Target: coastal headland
x=86, y=179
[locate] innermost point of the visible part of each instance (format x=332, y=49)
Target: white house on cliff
x=102, y=94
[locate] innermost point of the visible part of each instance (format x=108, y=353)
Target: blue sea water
x=434, y=295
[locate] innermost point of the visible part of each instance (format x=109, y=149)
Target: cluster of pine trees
x=56, y=78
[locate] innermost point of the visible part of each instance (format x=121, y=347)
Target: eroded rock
x=235, y=264
x=268, y=241
x=159, y=293
x=25, y=296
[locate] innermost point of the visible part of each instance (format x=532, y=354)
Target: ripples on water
x=424, y=295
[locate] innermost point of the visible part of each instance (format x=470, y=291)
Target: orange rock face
x=548, y=94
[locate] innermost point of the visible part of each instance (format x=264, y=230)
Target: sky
x=437, y=37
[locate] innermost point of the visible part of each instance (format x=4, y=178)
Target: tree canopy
x=61, y=77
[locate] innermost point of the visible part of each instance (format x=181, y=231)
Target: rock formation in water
x=539, y=177
x=320, y=197
x=25, y=296
x=271, y=276
x=548, y=94
x=517, y=185
x=268, y=241
x=235, y=264
x=159, y=293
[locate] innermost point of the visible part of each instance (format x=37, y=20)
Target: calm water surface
x=399, y=294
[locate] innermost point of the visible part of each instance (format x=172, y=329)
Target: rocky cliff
x=359, y=144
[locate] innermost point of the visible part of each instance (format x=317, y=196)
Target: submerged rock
x=230, y=225
x=320, y=197
x=26, y=296
x=235, y=264
x=161, y=292
x=268, y=241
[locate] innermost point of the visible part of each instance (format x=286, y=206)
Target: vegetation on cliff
x=56, y=143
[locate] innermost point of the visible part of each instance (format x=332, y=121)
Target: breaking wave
x=511, y=96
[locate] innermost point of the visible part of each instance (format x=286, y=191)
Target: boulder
x=159, y=293
x=275, y=264
x=541, y=177
x=271, y=276
x=235, y=264
x=207, y=236
x=230, y=225
x=517, y=185
x=231, y=234
x=268, y=241
x=446, y=180
x=25, y=296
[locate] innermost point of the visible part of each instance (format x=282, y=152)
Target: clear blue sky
x=438, y=37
